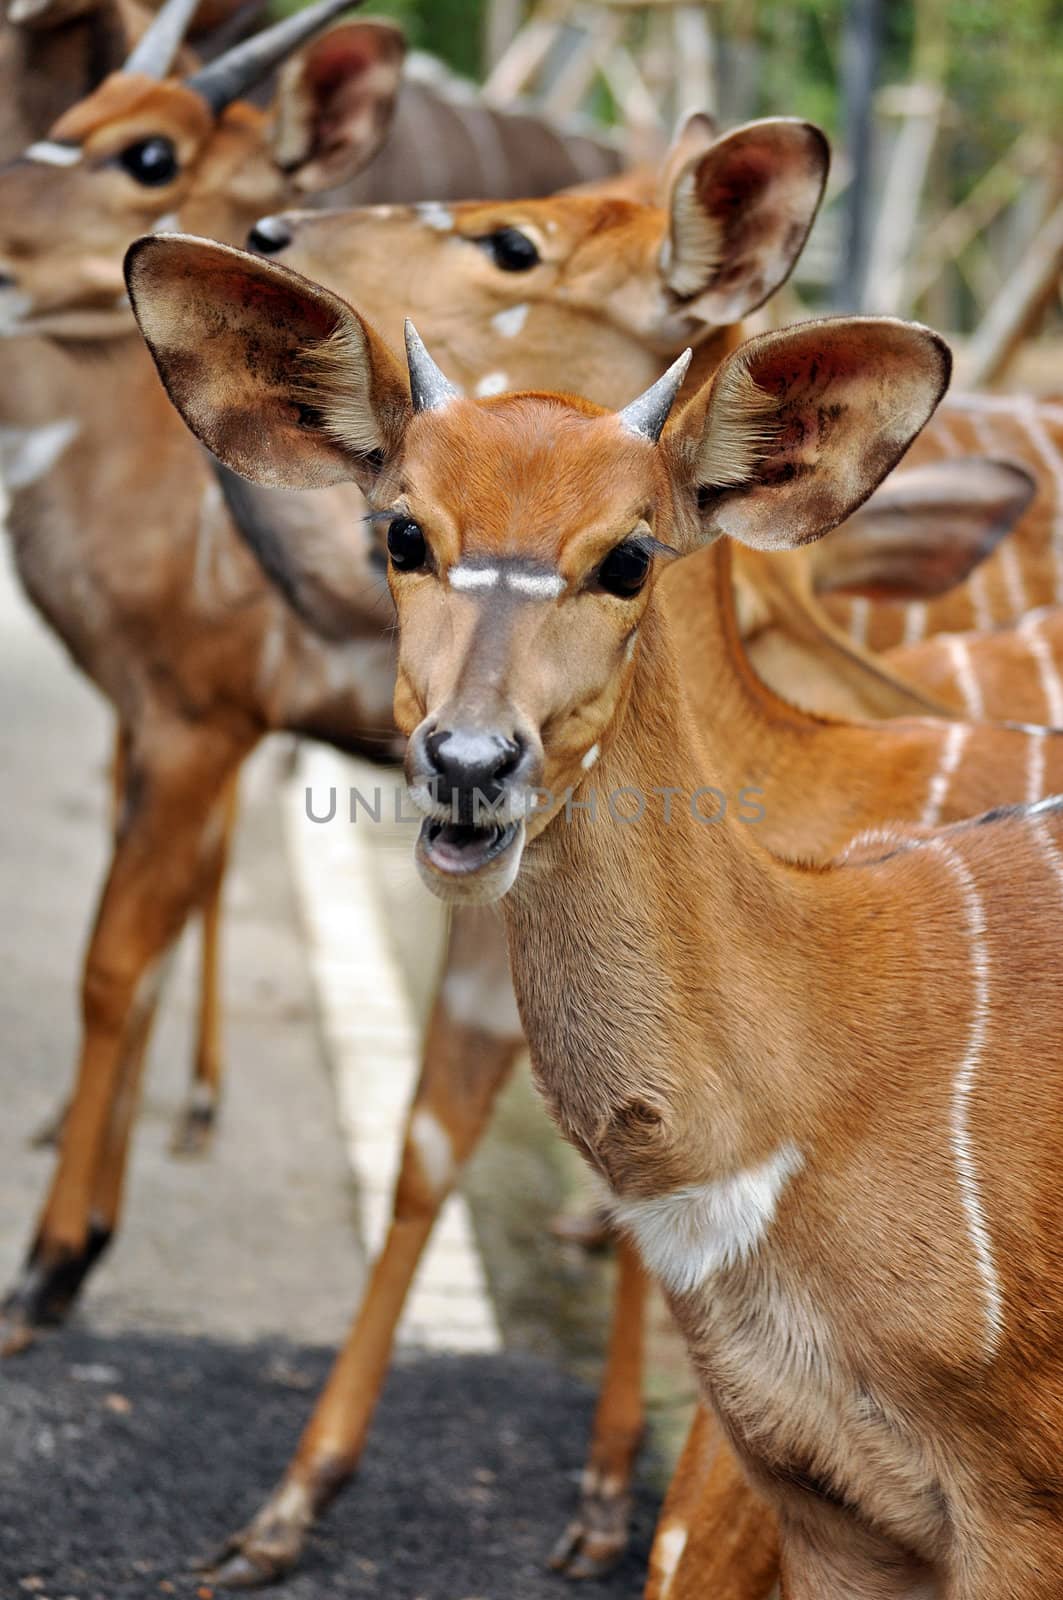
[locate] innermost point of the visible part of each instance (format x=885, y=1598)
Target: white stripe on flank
x=914, y=622
x=54, y=155
x=540, y=585
x=955, y=739
x=960, y=1120
x=1007, y=551
x=1052, y=688
x=1035, y=766
x=966, y=680
x=980, y=601
x=859, y=611
x=474, y=577
x=1050, y=455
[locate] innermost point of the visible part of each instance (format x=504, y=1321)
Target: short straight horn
x=647, y=415
x=155, y=51
x=429, y=388
x=246, y=64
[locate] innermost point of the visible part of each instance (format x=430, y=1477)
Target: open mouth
x=457, y=848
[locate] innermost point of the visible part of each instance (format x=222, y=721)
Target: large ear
x=924, y=531
x=798, y=427
x=695, y=135
x=279, y=378
x=335, y=101
x=739, y=215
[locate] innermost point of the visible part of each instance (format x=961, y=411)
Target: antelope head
x=592, y=281
x=526, y=534
x=148, y=148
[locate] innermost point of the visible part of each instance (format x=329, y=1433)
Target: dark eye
x=511, y=250
x=623, y=572
x=150, y=161
x=406, y=545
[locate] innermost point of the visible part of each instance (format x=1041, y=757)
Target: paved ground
x=154, y=1425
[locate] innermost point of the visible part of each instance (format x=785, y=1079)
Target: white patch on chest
x=509, y=322
x=29, y=454
x=691, y=1234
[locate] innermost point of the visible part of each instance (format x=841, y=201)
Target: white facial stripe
x=690, y=1234
x=474, y=577
x=54, y=155
x=955, y=739
x=29, y=454
x=433, y=215
x=963, y=1085
x=509, y=322
x=536, y=585
x=539, y=585
x=491, y=383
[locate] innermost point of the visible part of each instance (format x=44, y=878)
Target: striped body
x=1014, y=673
x=1027, y=571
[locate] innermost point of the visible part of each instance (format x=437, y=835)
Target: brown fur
x=682, y=982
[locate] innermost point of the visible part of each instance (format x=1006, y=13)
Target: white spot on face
x=29, y=454
x=491, y=383
x=667, y=1549
x=433, y=215
x=692, y=1233
x=434, y=1150
x=474, y=577
x=481, y=1001
x=509, y=322
x=960, y=1129
x=53, y=154
x=590, y=757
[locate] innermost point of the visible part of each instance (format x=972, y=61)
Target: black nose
x=472, y=767
x=269, y=236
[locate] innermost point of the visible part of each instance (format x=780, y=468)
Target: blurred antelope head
x=601, y=282
x=147, y=150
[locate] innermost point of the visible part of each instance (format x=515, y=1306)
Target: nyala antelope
x=746, y=1048
x=197, y=651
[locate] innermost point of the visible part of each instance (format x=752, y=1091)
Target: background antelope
x=743, y=1048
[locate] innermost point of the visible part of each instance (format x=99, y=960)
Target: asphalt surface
x=125, y=1459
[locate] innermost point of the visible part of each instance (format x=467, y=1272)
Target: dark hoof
x=597, y=1537
x=268, y=1547
x=193, y=1132
x=46, y=1290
